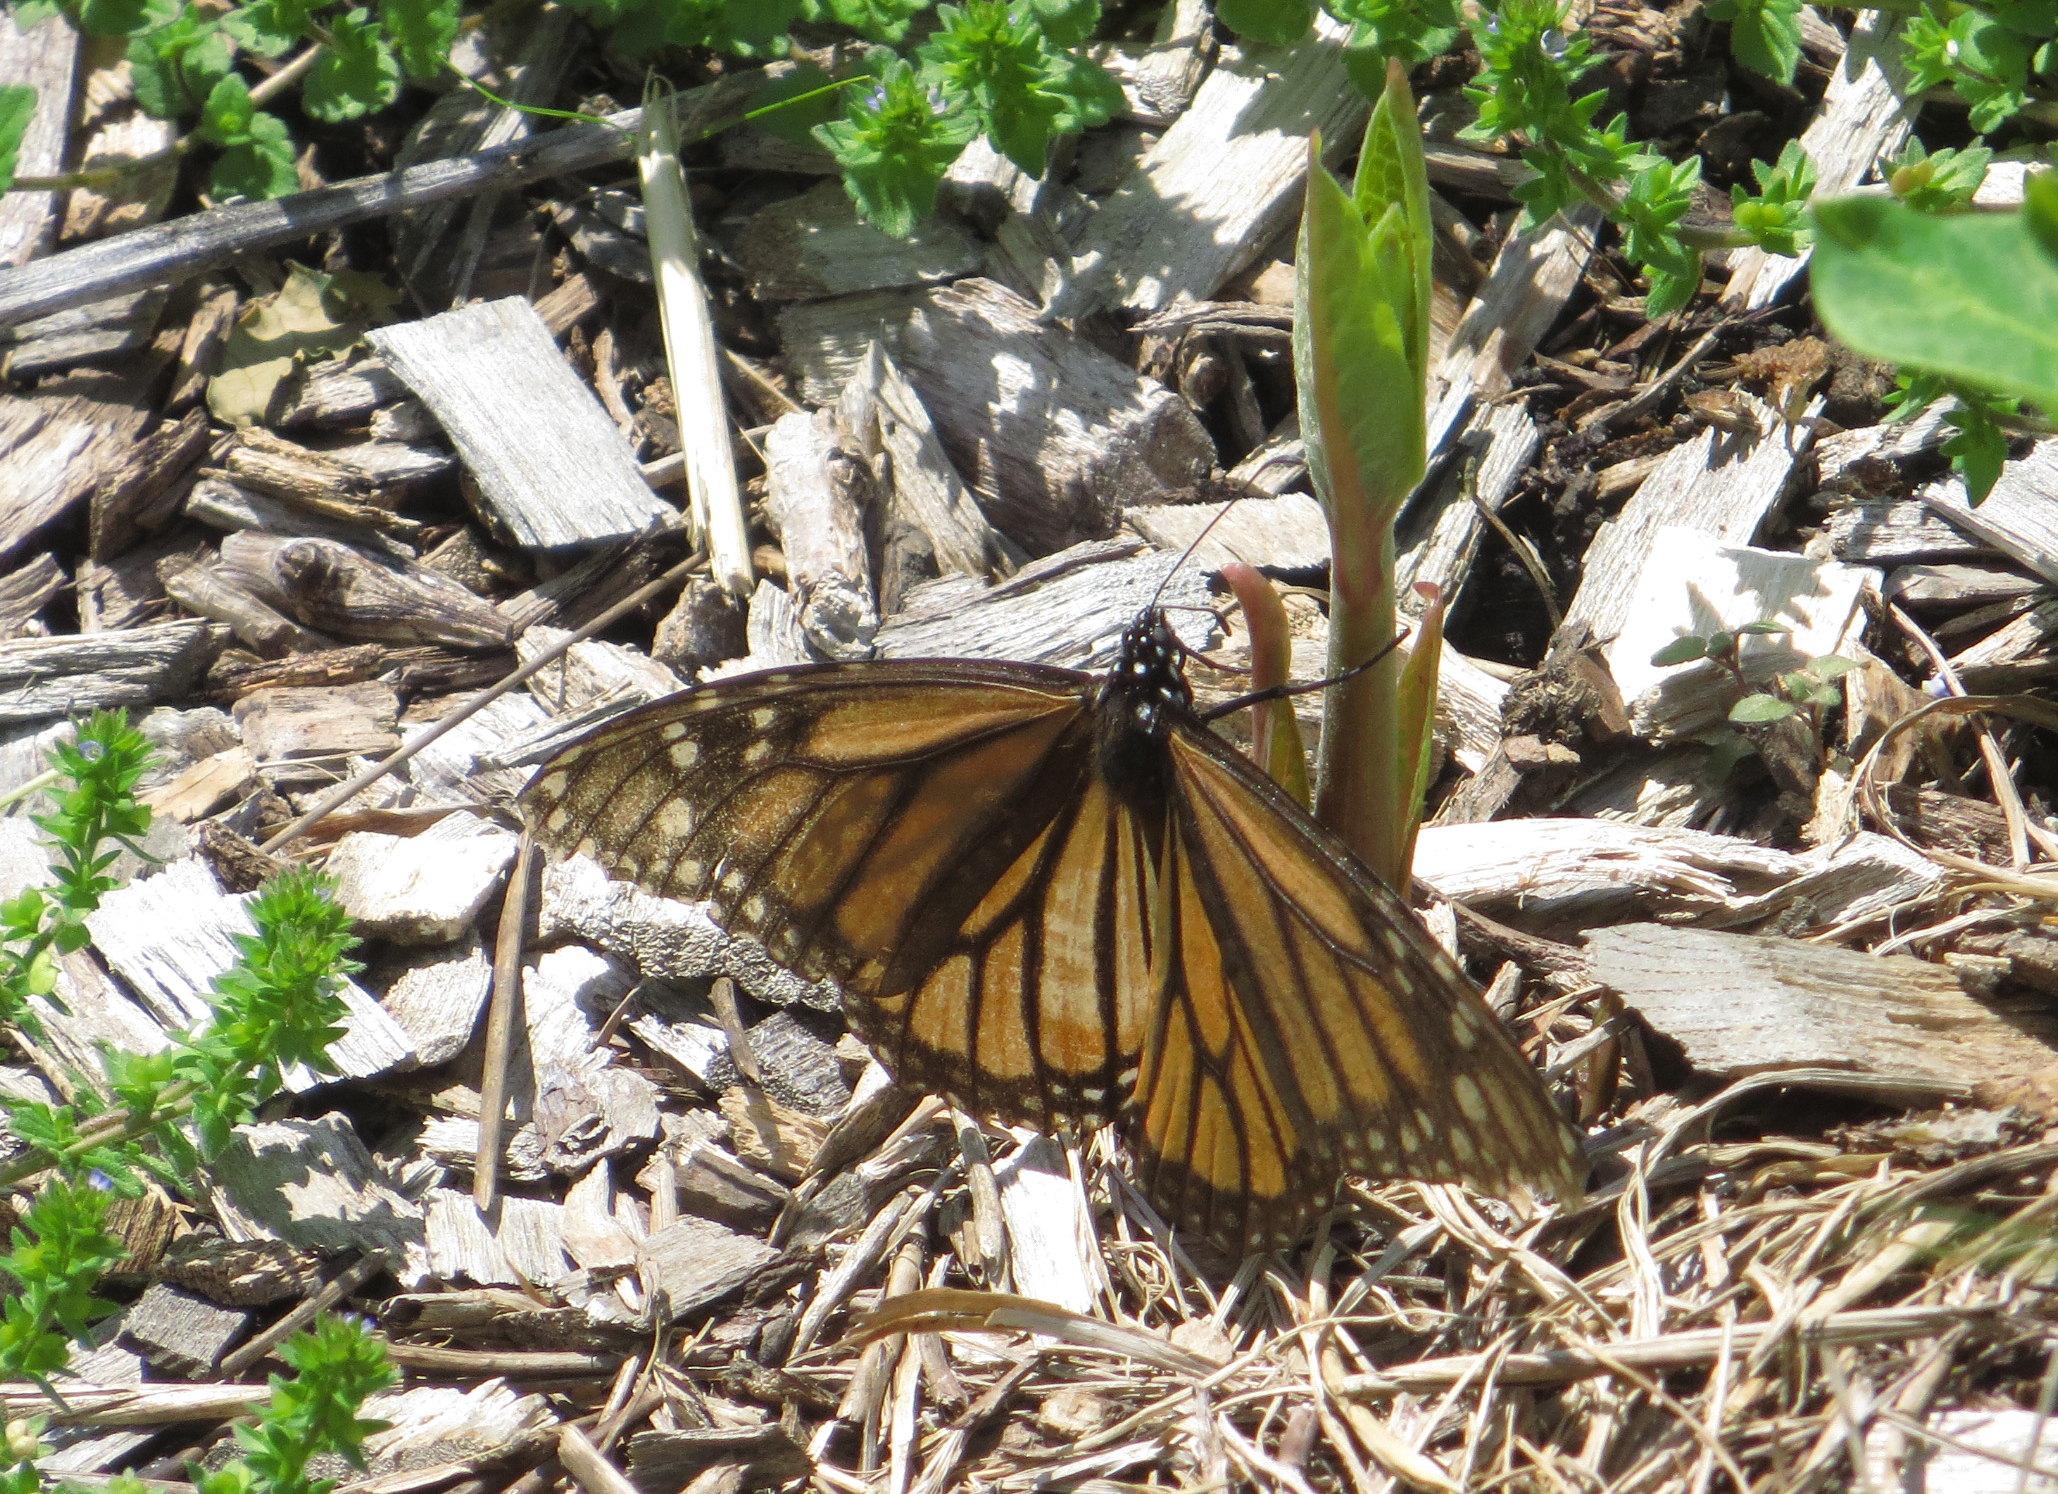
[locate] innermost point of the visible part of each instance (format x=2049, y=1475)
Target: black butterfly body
x=1063, y=901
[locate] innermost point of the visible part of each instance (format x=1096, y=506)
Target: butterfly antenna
x=1282, y=692
x=1194, y=544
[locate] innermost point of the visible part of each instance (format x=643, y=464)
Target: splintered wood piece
x=1717, y=486
x=695, y=1263
x=421, y=889
x=1686, y=584
x=378, y=474
x=1532, y=277
x=66, y=439
x=1889, y=531
x=592, y=673
x=816, y=494
x=68, y=676
x=1288, y=533
x=711, y=1459
x=180, y=1335
x=436, y=997
x=347, y=592
x=2023, y=649
x=24, y=591
x=1221, y=183
x=552, y=469
x=705, y=627
x=2017, y=517
x=169, y=937
x=335, y=394
x=317, y=726
x=217, y=592
x=310, y=1183
x=929, y=524
x=1053, y=434
x=813, y=245
x=1740, y=1004
x=44, y=57
x=1559, y=868
x=1441, y=529
x=1956, y=588
x=146, y=484
x=100, y=333
x=1860, y=878
x=438, y=1426
x=1068, y=609
x=1052, y=1250
x=221, y=504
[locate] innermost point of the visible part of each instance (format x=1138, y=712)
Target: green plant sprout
x=337, y=1366
x=1802, y=693
x=147, y=1116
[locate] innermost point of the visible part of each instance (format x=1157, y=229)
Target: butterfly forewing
x=1353, y=1044
x=930, y=837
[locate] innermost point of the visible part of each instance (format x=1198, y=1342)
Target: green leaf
x=125, y=17
x=354, y=74
x=1760, y=710
x=1829, y=667
x=1935, y=182
x=269, y=28
x=1276, y=23
x=227, y=113
x=893, y=146
x=421, y=32
x=1765, y=628
x=177, y=66
x=17, y=109
x=1410, y=32
x=876, y=20
x=1764, y=35
x=1972, y=297
x=1003, y=73
x=1064, y=23
x=258, y=166
x=1681, y=650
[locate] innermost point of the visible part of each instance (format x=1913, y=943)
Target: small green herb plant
x=161, y=1116
x=1011, y=72
x=1801, y=695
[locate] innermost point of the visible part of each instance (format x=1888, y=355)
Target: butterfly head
x=1146, y=691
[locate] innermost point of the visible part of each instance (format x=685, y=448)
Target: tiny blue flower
x=100, y=1181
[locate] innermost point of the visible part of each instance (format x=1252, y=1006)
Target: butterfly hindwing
x=1308, y=1028
x=930, y=837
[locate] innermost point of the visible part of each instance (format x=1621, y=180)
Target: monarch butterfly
x=1064, y=901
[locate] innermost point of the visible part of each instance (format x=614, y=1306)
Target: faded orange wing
x=1307, y=1027
x=931, y=837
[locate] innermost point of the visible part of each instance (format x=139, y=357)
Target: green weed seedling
x=161, y=1116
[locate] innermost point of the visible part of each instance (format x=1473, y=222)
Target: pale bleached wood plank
x=1740, y=1004
x=66, y=676
x=551, y=467
x=1221, y=183
x=2019, y=517
x=45, y=58
x=1052, y=434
